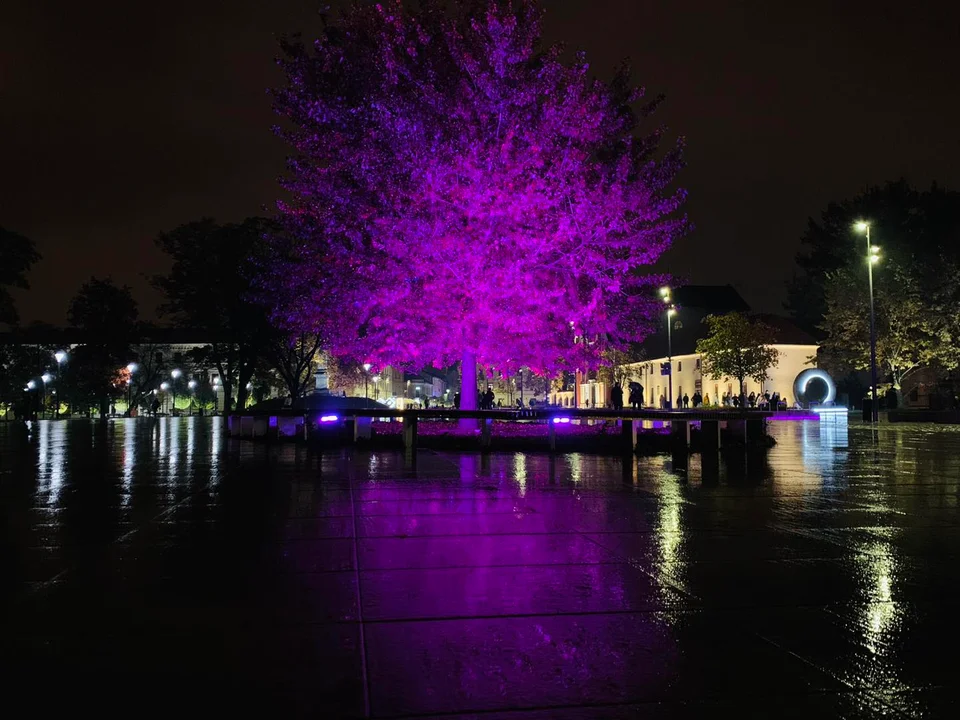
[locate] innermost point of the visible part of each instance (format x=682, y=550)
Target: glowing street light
x=46, y=377
x=665, y=293
x=176, y=373
x=873, y=257
x=192, y=384
x=31, y=385
x=131, y=368
x=366, y=373
x=60, y=356
x=164, y=386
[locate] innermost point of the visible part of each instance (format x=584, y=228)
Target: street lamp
x=366, y=374
x=193, y=386
x=60, y=356
x=44, y=379
x=175, y=374
x=131, y=368
x=376, y=387
x=873, y=257
x=665, y=293
x=164, y=386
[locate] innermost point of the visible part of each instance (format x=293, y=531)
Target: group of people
x=635, y=396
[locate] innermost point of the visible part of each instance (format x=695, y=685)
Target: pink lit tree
x=459, y=193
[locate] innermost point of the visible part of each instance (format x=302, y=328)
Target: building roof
x=786, y=331
x=715, y=299
x=694, y=303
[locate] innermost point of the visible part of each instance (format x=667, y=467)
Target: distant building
x=798, y=350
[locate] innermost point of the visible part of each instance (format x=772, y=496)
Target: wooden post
x=485, y=430
x=410, y=432
x=709, y=436
x=755, y=430
x=628, y=431
x=361, y=428
x=680, y=430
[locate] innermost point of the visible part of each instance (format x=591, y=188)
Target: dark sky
x=120, y=120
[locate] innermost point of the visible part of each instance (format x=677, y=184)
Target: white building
x=688, y=377
x=797, y=351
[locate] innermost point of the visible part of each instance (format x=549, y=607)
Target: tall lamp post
x=175, y=374
x=366, y=374
x=873, y=257
x=59, y=356
x=671, y=310
x=164, y=386
x=376, y=387
x=44, y=380
x=131, y=368
x=192, y=385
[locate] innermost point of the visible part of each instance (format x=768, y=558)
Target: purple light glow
x=410, y=186
x=329, y=418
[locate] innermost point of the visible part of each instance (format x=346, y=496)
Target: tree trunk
x=227, y=394
x=468, y=390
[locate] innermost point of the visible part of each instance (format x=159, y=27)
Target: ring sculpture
x=804, y=378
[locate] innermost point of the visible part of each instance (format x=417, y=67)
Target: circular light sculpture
x=804, y=379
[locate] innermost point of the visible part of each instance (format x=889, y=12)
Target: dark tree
x=95, y=373
x=17, y=255
x=293, y=361
x=913, y=228
x=209, y=289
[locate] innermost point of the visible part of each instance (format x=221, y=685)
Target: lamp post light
x=873, y=257
x=131, y=368
x=44, y=379
x=193, y=386
x=376, y=387
x=164, y=386
x=366, y=374
x=176, y=373
x=665, y=293
x=60, y=356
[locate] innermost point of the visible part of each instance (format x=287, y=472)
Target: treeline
x=211, y=290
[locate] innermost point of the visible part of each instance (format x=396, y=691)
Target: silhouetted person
x=663, y=402
x=616, y=396
x=685, y=400
x=155, y=407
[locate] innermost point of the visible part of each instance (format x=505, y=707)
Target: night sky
x=120, y=120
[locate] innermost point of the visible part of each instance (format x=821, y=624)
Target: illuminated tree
x=458, y=192
x=737, y=346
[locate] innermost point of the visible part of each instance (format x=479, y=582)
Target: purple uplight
x=329, y=418
x=561, y=420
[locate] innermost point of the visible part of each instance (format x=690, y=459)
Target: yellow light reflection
x=520, y=472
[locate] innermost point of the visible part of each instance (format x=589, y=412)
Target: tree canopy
x=737, y=346
x=210, y=289
x=919, y=230
x=94, y=372
x=17, y=255
x=459, y=191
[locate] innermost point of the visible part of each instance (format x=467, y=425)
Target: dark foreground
x=145, y=572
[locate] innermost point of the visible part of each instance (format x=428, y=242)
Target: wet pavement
x=151, y=567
